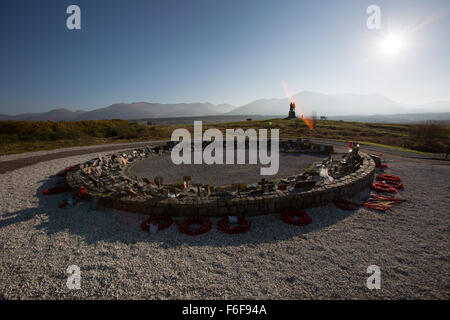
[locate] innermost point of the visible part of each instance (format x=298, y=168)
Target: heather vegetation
x=23, y=136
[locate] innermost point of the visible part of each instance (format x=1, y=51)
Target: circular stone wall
x=103, y=179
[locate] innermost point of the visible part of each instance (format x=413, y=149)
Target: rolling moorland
x=25, y=136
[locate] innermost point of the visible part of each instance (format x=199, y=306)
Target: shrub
x=432, y=136
x=431, y=130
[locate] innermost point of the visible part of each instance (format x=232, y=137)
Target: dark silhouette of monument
x=291, y=111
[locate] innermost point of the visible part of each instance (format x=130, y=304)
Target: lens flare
x=286, y=90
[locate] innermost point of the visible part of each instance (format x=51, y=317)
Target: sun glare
x=392, y=44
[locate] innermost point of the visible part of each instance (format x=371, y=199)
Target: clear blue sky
x=220, y=51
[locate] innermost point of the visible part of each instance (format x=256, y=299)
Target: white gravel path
x=326, y=260
x=44, y=152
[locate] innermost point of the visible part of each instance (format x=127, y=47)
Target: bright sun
x=392, y=44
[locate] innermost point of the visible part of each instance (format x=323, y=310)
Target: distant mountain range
x=338, y=105
x=397, y=118
x=353, y=107
x=127, y=111
x=52, y=115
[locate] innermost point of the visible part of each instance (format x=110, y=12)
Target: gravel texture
x=219, y=174
x=325, y=260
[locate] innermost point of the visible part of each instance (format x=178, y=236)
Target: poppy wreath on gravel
x=55, y=190
x=345, y=204
x=185, y=225
x=396, y=185
x=163, y=222
x=389, y=177
x=82, y=192
x=383, y=187
x=225, y=226
x=296, y=217
x=63, y=172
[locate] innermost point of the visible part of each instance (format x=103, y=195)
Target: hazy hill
x=139, y=110
x=337, y=105
x=53, y=115
x=127, y=111
x=397, y=118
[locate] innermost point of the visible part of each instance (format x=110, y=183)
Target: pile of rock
x=304, y=146
x=103, y=175
x=349, y=163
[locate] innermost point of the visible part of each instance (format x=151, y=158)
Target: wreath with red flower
x=225, y=226
x=345, y=204
x=394, y=184
x=163, y=222
x=383, y=187
x=82, y=192
x=296, y=217
x=389, y=177
x=55, y=190
x=185, y=225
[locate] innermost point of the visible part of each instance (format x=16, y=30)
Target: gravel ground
x=325, y=260
x=219, y=174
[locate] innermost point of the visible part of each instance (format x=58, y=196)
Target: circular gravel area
x=327, y=259
x=219, y=174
